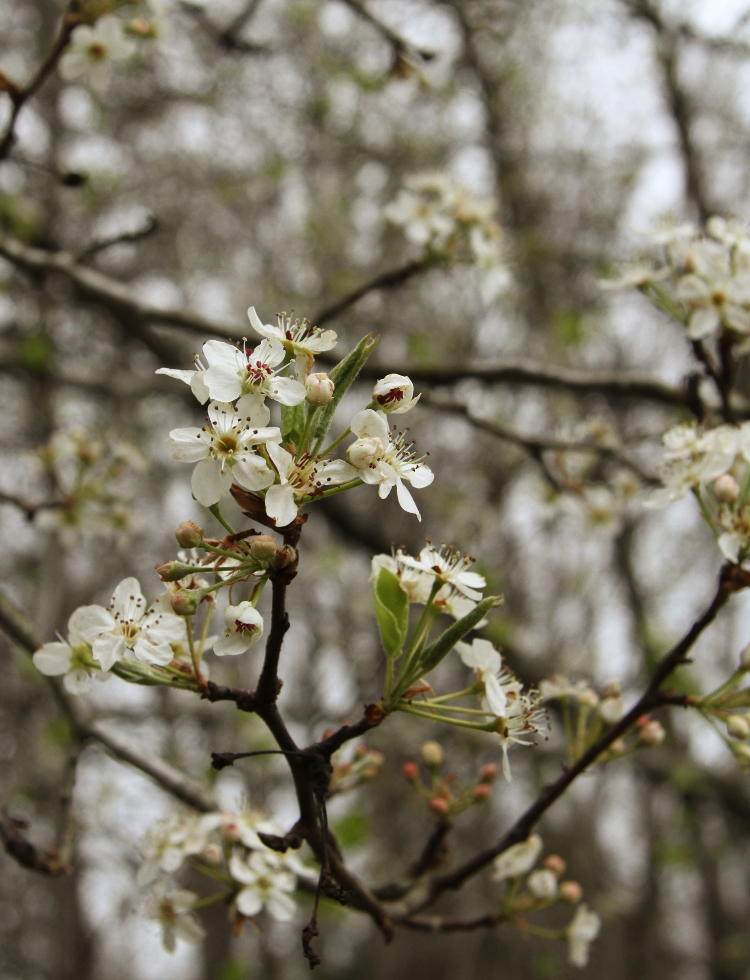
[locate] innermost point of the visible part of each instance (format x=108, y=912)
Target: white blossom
x=93, y=49
x=394, y=394
x=298, y=337
x=223, y=449
x=386, y=461
x=232, y=372
x=243, y=626
x=69, y=660
x=266, y=884
x=582, y=930
x=172, y=908
x=194, y=379
x=299, y=479
x=126, y=627
x=518, y=859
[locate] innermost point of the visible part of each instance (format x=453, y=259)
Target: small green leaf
x=342, y=375
x=391, y=611
x=432, y=656
x=293, y=424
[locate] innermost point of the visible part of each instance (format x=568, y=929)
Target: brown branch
x=732, y=579
x=384, y=280
x=399, y=46
x=28, y=855
x=19, y=97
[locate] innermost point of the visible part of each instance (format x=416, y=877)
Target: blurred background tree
x=247, y=152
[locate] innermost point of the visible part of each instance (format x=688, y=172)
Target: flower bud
x=189, y=534
x=571, y=891
x=364, y=452
x=611, y=710
x=488, y=773
x=726, y=488
x=171, y=571
x=618, y=747
x=611, y=689
x=738, y=726
x=652, y=733
x=555, y=863
x=543, y=884
x=410, y=771
x=588, y=698
x=394, y=394
x=212, y=854
x=319, y=388
x=432, y=754
x=481, y=792
x=263, y=547
x=439, y=804
x=184, y=603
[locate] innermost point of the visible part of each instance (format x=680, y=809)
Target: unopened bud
x=726, y=488
x=652, y=733
x=171, y=571
x=394, y=394
x=263, y=547
x=189, y=534
x=319, y=388
x=738, y=726
x=488, y=773
x=439, y=804
x=364, y=452
x=184, y=603
x=410, y=771
x=571, y=891
x=555, y=863
x=611, y=689
x=432, y=754
x=212, y=854
x=285, y=556
x=481, y=792
x=618, y=747
x=543, y=884
x=588, y=698
x=611, y=709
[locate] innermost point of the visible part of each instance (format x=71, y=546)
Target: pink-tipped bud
x=726, y=488
x=189, y=534
x=488, y=773
x=319, y=388
x=570, y=891
x=410, y=771
x=555, y=863
x=184, y=603
x=652, y=733
x=481, y=792
x=172, y=571
x=432, y=754
x=438, y=804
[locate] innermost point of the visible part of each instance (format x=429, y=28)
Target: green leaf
x=293, y=424
x=432, y=656
x=342, y=375
x=391, y=611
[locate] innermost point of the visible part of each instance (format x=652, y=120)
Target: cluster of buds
x=440, y=791
x=728, y=709
x=364, y=766
x=531, y=885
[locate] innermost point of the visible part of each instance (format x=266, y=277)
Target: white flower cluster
x=713, y=464
x=703, y=279
x=445, y=220
x=459, y=588
x=237, y=444
x=227, y=848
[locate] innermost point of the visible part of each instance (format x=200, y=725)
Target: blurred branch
x=125, y=237
x=385, y=280
x=29, y=509
x=228, y=37
x=535, y=446
x=13, y=623
x=17, y=845
x=678, y=101
x=399, y=46
x=20, y=96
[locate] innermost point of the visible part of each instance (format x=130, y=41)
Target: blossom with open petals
x=127, y=627
x=298, y=337
x=223, y=450
x=243, y=626
x=232, y=372
x=68, y=660
x=266, y=884
x=385, y=460
x=301, y=478
x=93, y=49
x=194, y=379
x=172, y=909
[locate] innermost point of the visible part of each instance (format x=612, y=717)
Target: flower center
x=225, y=444
x=97, y=51
x=244, y=628
x=129, y=631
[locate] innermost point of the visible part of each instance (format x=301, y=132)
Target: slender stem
x=336, y=441
x=214, y=508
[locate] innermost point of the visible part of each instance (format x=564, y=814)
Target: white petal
x=286, y=391
x=128, y=600
x=53, y=659
x=252, y=473
x=280, y=504
x=420, y=475
x=282, y=460
x=88, y=622
x=108, y=649
x=406, y=500
x=371, y=423
x=263, y=329
x=254, y=410
x=77, y=681
x=189, y=444
x=209, y=483
x=249, y=902
x=280, y=906
x=703, y=323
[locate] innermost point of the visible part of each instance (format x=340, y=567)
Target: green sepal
x=391, y=611
x=434, y=653
x=342, y=375
x=293, y=424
